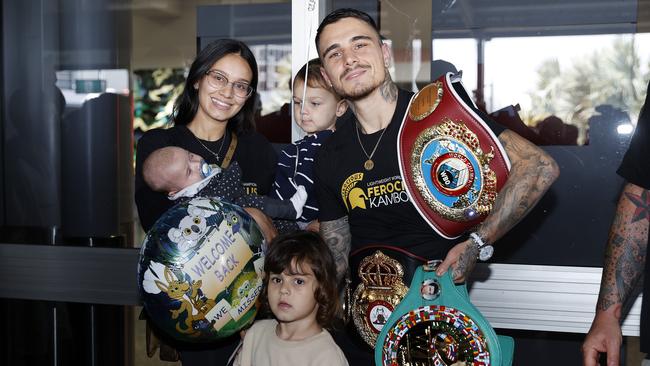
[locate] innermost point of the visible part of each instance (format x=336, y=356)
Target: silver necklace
x=216, y=155
x=369, y=164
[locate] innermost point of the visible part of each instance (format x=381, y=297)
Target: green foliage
x=611, y=75
x=154, y=94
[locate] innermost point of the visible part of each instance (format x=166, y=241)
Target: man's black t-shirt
x=254, y=154
x=635, y=168
x=378, y=207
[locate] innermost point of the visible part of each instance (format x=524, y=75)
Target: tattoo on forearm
x=336, y=234
x=608, y=294
x=642, y=205
x=388, y=89
x=533, y=171
x=628, y=267
x=626, y=250
x=466, y=262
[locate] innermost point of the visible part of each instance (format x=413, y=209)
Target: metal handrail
x=71, y=274
x=510, y=296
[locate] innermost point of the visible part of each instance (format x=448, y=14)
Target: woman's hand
x=264, y=222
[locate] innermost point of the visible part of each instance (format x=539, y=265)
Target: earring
x=196, y=86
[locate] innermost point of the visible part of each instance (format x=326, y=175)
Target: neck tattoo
x=369, y=164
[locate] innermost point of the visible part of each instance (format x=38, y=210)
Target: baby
x=183, y=175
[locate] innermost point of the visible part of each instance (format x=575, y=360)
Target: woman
x=213, y=115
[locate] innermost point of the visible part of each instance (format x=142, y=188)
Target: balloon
x=200, y=270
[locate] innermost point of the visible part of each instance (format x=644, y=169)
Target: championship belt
x=452, y=163
x=381, y=272
x=436, y=324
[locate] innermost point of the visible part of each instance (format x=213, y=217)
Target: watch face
x=486, y=252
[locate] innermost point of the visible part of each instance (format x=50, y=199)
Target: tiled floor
x=634, y=356
x=140, y=353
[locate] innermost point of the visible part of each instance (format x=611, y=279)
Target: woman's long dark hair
x=187, y=103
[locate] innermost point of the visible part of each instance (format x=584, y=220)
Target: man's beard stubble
x=361, y=91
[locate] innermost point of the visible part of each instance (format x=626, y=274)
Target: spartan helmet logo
x=357, y=198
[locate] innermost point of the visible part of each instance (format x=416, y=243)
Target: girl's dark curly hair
x=292, y=251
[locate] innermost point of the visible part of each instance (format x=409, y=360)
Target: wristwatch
x=485, y=250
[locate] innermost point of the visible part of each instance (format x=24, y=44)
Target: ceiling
x=511, y=18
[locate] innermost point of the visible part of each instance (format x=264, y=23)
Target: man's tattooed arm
x=623, y=270
x=531, y=174
x=626, y=249
x=336, y=234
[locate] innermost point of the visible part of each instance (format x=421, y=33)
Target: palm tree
x=609, y=76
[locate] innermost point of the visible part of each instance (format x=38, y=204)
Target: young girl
x=300, y=289
x=315, y=110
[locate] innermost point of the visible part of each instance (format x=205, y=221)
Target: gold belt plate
x=380, y=290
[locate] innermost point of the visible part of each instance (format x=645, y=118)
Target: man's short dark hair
x=342, y=13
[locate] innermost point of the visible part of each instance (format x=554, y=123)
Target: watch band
x=478, y=241
x=485, y=250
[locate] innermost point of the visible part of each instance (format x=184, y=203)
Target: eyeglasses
x=220, y=81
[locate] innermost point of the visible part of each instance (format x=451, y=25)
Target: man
x=625, y=256
x=355, y=62
x=359, y=185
